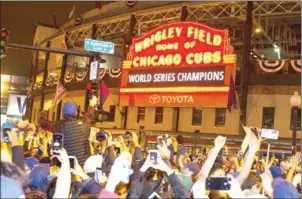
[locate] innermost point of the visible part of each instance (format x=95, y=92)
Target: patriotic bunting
x=51, y=81
x=271, y=66
x=80, y=76
x=78, y=20
x=130, y=4
x=68, y=77
x=102, y=73
x=115, y=72
x=296, y=65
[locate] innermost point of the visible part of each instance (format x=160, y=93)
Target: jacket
x=76, y=134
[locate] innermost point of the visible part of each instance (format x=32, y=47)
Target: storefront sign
x=178, y=65
x=16, y=105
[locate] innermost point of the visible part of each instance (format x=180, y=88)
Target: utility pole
x=246, y=65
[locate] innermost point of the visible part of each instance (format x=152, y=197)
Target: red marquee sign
x=178, y=65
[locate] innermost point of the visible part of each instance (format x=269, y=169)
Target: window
x=111, y=116
x=268, y=115
x=35, y=112
x=298, y=121
x=53, y=116
x=196, y=116
x=220, y=116
x=159, y=115
x=18, y=79
x=5, y=78
x=140, y=114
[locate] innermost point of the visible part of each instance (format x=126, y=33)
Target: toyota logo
x=154, y=99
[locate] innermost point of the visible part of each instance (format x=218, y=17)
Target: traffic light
x=4, y=41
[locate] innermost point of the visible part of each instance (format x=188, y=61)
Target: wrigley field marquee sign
x=178, y=65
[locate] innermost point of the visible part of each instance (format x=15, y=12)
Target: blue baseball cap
x=70, y=108
x=38, y=176
x=275, y=171
x=31, y=162
x=284, y=189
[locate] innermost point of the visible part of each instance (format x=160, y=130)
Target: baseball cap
x=38, y=176
x=275, y=171
x=284, y=189
x=70, y=108
x=31, y=162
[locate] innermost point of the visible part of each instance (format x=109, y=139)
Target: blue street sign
x=99, y=46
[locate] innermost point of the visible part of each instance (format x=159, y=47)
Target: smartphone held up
x=218, y=184
x=58, y=140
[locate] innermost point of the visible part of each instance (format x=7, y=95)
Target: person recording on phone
x=74, y=133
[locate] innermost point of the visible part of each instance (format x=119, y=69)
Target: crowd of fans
x=92, y=164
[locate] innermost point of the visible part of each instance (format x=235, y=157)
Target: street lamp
x=295, y=102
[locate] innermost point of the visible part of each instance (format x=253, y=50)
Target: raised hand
x=295, y=160
x=254, y=144
x=220, y=142
x=13, y=137
x=110, y=142
x=161, y=165
x=164, y=151
x=120, y=171
x=119, y=142
x=134, y=139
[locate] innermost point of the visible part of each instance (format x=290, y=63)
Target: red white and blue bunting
x=51, y=81
x=113, y=73
x=68, y=77
x=78, y=20
x=102, y=73
x=274, y=66
x=80, y=76
x=296, y=65
x=271, y=66
x=130, y=4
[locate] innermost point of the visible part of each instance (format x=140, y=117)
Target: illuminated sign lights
x=181, y=57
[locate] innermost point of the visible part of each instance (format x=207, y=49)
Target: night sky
x=21, y=18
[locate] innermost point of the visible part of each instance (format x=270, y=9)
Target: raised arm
x=64, y=177
x=207, y=166
x=17, y=148
x=295, y=161
x=254, y=146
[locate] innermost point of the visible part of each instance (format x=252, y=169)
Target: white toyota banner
x=16, y=105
